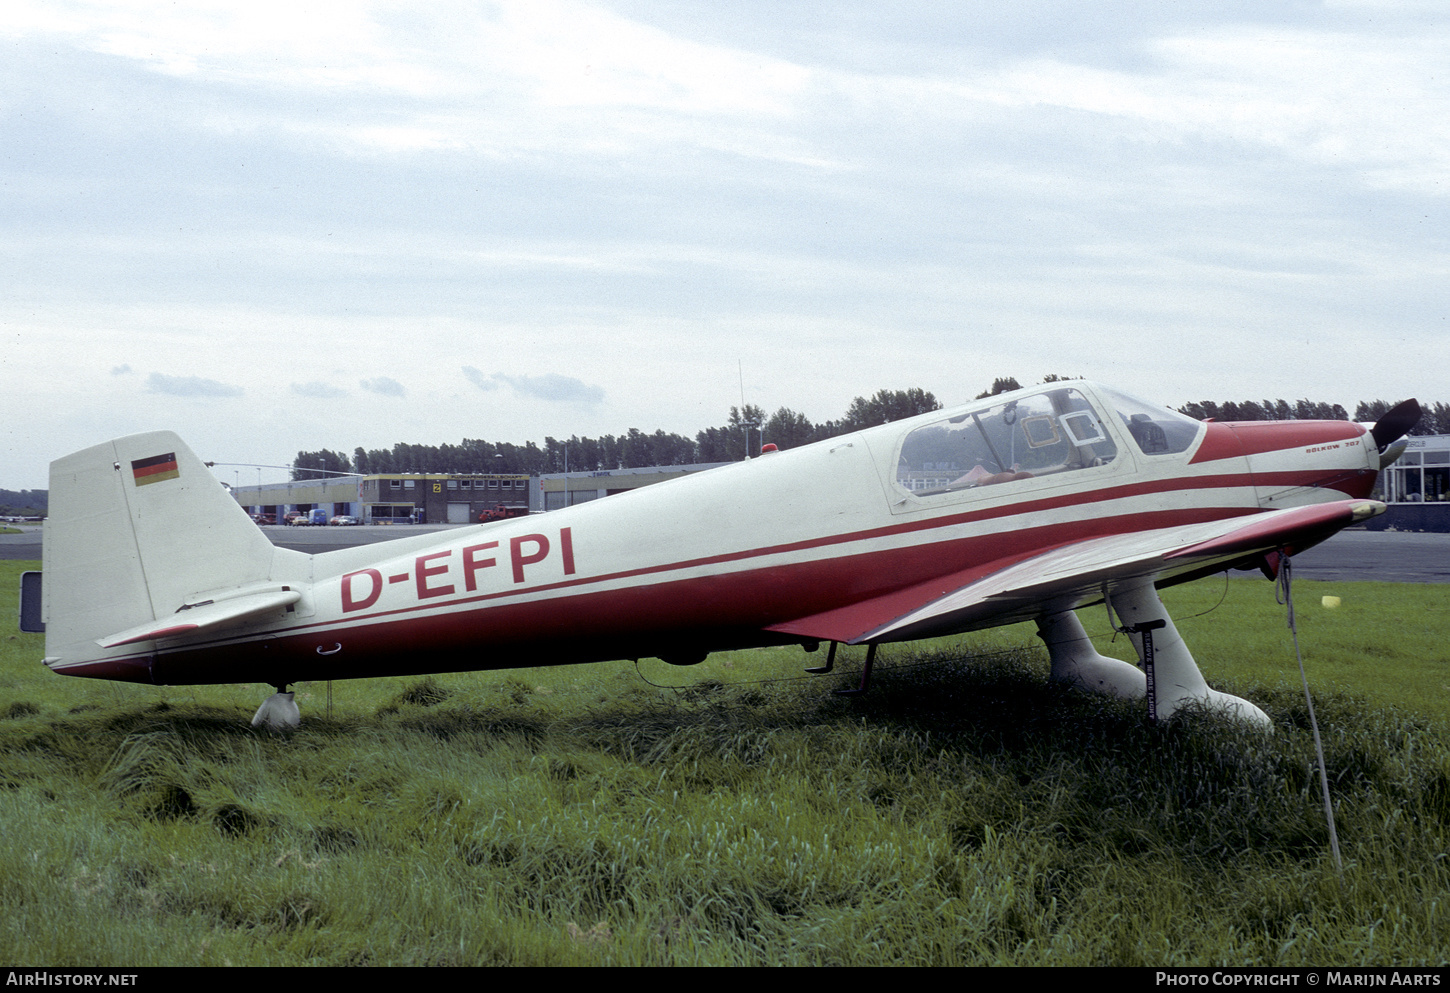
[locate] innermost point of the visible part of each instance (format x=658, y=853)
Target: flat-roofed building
x=1417, y=487
x=443, y=498
x=396, y=498
x=561, y=489
x=449, y=498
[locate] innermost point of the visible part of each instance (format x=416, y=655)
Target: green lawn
x=963, y=812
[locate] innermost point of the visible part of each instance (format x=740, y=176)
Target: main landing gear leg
x=1077, y=663
x=1178, y=681
x=278, y=712
x=865, y=673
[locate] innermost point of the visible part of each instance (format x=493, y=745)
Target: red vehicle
x=500, y=513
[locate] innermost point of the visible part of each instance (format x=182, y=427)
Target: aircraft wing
x=1010, y=590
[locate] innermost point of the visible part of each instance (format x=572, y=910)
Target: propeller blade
x=1396, y=423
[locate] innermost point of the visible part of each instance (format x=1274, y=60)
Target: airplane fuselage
x=827, y=542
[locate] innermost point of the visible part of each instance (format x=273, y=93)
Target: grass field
x=963, y=812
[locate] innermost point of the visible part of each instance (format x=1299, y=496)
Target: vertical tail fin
x=136, y=527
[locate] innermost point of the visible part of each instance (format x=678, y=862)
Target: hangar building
x=396, y=498
x=447, y=498
x=561, y=489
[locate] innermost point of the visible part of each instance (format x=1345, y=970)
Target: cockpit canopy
x=1055, y=430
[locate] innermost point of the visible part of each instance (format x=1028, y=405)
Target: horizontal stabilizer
x=205, y=617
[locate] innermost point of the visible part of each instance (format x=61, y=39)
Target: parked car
x=264, y=519
x=344, y=520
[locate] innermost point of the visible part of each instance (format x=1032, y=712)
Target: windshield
x=1156, y=430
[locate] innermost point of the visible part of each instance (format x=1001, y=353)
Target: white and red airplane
x=1024, y=506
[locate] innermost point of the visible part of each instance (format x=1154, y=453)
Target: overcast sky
x=275, y=226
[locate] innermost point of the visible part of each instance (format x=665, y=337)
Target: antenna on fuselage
x=745, y=423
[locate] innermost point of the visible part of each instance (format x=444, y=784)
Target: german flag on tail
x=155, y=469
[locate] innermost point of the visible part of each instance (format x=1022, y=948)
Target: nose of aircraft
x=1296, y=463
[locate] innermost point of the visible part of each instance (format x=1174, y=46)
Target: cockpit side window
x=1155, y=430
x=1053, y=432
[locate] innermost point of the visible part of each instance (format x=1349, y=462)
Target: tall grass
x=962, y=812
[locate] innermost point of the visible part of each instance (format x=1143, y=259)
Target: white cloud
x=511, y=77
x=318, y=390
x=383, y=386
x=478, y=379
x=1334, y=98
x=190, y=386
x=553, y=388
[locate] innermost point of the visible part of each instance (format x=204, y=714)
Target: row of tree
x=23, y=503
x=744, y=431
x=748, y=427
x=1435, y=417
